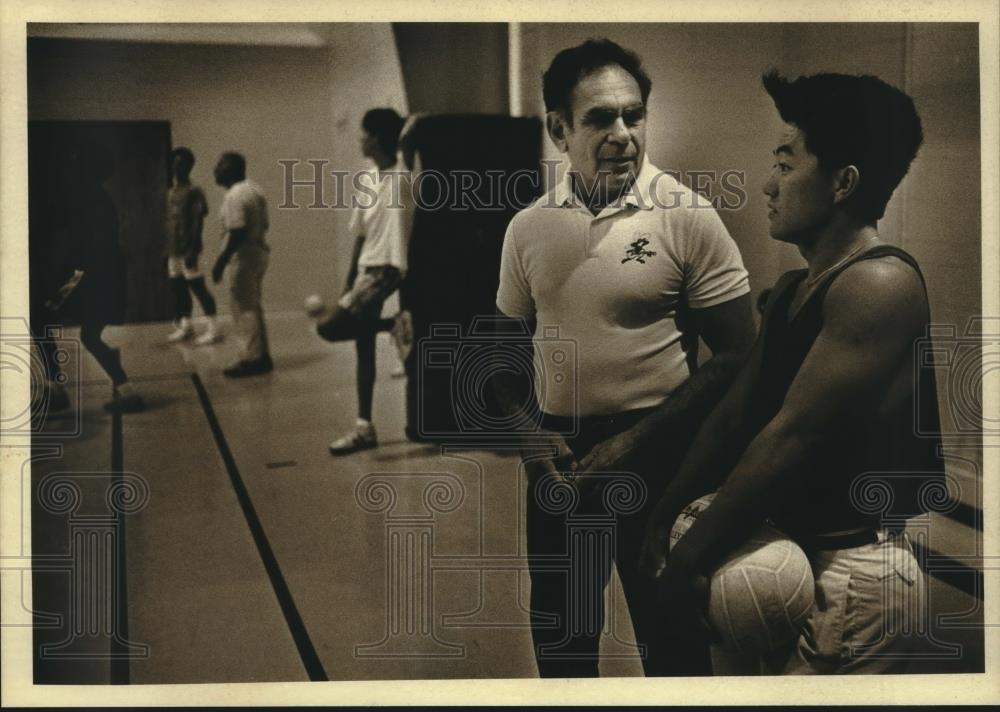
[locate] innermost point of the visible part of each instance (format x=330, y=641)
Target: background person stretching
x=380, y=225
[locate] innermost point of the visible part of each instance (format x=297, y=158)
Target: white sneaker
x=361, y=438
x=182, y=332
x=212, y=336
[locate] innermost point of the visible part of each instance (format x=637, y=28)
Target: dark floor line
x=967, y=514
x=120, y=672
x=280, y=465
x=176, y=375
x=965, y=578
x=311, y=661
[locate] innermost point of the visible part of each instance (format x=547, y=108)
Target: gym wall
x=268, y=102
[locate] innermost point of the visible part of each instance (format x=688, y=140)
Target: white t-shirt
x=605, y=290
x=246, y=207
x=383, y=213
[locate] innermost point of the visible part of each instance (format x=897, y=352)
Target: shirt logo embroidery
x=637, y=250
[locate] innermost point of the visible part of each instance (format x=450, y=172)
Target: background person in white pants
x=244, y=222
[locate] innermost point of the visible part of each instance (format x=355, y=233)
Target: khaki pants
x=245, y=291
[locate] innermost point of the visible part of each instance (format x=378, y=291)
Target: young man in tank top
x=823, y=411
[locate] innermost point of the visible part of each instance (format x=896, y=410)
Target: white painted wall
x=268, y=102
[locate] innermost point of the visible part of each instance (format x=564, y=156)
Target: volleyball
x=762, y=593
x=313, y=304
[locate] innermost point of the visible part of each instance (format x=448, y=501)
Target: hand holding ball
x=762, y=593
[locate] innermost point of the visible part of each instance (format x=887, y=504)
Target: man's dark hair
x=238, y=162
x=571, y=65
x=385, y=125
x=853, y=120
x=184, y=152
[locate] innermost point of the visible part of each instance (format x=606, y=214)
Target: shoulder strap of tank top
x=785, y=282
x=874, y=253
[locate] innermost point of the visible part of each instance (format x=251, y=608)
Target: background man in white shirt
x=244, y=222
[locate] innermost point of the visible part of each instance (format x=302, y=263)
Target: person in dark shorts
x=186, y=211
x=824, y=409
x=380, y=225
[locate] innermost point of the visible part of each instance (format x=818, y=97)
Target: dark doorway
x=138, y=186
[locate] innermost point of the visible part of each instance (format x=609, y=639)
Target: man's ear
x=556, y=125
x=846, y=181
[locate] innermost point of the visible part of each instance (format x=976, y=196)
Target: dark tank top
x=876, y=468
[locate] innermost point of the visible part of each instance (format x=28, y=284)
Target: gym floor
x=248, y=553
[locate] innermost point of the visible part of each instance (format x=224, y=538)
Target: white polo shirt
x=605, y=290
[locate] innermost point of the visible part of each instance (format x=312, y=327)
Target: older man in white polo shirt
x=632, y=267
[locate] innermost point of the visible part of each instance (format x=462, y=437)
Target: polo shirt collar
x=637, y=196
x=564, y=191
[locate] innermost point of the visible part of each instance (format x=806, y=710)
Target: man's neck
x=596, y=200
x=833, y=244
x=383, y=161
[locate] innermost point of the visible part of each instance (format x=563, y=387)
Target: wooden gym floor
x=248, y=553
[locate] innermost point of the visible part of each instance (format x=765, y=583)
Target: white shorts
x=177, y=268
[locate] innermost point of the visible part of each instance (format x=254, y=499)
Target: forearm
x=691, y=403
x=511, y=393
x=767, y=467
x=513, y=389
x=234, y=240
x=352, y=272
x=196, y=244
x=871, y=316
x=712, y=454
x=356, y=251
x=193, y=251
